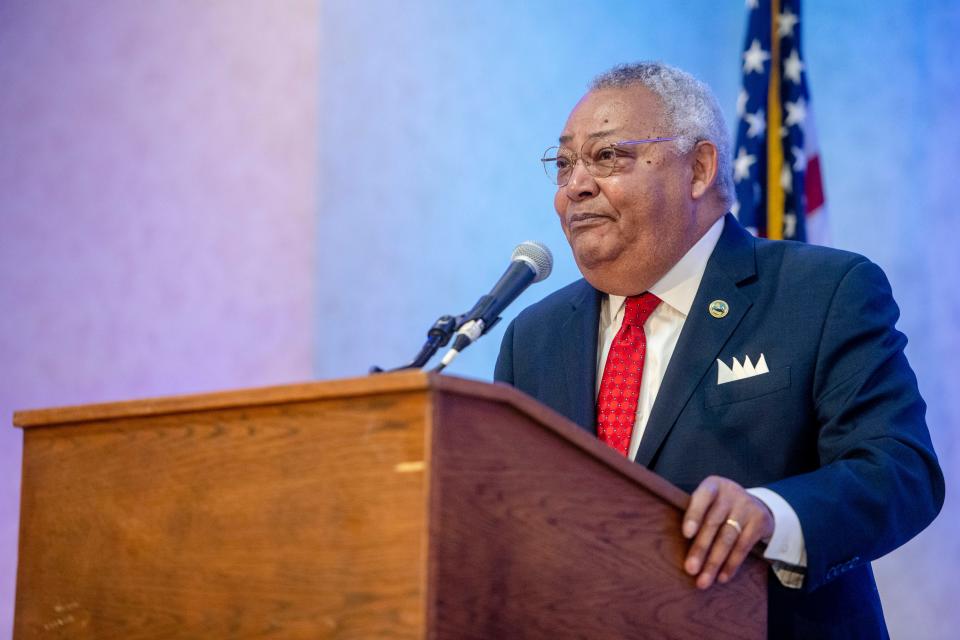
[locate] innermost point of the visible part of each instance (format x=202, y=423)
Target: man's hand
x=727, y=522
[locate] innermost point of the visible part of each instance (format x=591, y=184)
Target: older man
x=765, y=377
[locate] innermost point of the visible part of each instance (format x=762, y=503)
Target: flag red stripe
x=813, y=185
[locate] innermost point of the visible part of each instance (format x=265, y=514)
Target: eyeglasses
x=600, y=162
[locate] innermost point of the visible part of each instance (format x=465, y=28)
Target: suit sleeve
x=503, y=371
x=879, y=482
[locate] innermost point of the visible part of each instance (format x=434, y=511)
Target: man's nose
x=582, y=184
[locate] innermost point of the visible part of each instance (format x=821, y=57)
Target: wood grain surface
x=530, y=538
x=286, y=521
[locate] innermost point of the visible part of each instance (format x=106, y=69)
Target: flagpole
x=775, y=193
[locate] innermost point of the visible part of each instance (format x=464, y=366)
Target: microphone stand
x=530, y=262
x=438, y=336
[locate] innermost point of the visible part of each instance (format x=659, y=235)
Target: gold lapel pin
x=719, y=308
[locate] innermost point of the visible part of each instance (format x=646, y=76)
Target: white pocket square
x=740, y=371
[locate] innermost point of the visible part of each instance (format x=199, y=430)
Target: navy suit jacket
x=836, y=427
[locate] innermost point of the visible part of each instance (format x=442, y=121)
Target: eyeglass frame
x=577, y=157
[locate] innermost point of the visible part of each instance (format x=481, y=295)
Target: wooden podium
x=395, y=506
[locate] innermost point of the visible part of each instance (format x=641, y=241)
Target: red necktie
x=620, y=384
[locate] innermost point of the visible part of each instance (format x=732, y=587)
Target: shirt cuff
x=786, y=549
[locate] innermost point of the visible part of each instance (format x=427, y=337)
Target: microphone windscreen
x=537, y=255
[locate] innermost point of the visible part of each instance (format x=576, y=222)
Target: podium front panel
x=291, y=520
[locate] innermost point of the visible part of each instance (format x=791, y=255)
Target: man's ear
x=704, y=164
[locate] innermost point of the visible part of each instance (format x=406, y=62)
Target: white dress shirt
x=677, y=289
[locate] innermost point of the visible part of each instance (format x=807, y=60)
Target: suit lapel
x=579, y=343
x=703, y=336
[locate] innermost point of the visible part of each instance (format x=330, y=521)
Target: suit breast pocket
x=748, y=388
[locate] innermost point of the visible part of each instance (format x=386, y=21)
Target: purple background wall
x=201, y=195
x=157, y=206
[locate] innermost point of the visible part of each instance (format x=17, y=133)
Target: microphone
x=531, y=262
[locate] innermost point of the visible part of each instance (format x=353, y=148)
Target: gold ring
x=736, y=525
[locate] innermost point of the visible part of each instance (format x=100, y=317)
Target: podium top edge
x=255, y=396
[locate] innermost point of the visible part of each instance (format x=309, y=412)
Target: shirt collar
x=679, y=286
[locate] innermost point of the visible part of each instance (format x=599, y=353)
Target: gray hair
x=691, y=109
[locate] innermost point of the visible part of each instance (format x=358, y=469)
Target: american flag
x=777, y=161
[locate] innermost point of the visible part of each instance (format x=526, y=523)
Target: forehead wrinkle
x=597, y=134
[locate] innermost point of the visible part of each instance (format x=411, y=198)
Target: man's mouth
x=586, y=219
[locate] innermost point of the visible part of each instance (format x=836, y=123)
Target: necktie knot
x=639, y=308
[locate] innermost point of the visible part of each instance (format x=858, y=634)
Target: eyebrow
x=592, y=136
